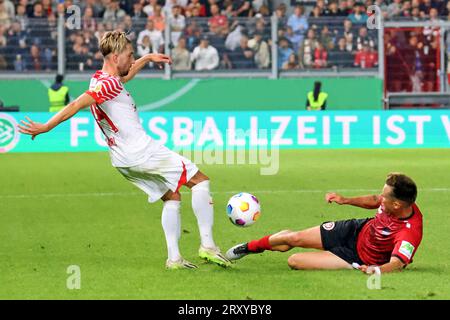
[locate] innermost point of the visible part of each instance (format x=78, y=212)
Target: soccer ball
x=243, y=209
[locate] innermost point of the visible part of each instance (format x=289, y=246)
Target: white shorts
x=165, y=170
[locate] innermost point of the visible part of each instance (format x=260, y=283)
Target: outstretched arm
x=143, y=61
x=395, y=264
x=35, y=128
x=366, y=202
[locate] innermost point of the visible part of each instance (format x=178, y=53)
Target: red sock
x=260, y=245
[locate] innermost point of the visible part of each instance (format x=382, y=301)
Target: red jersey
x=385, y=236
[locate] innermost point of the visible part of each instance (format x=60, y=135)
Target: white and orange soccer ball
x=243, y=209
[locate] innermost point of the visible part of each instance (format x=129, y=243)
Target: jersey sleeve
x=406, y=246
x=104, y=90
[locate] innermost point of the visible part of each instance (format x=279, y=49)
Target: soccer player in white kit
x=152, y=167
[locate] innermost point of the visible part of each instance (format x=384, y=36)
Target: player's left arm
x=395, y=264
x=140, y=63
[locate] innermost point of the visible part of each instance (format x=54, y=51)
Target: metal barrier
x=243, y=47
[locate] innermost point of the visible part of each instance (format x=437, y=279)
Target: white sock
x=204, y=211
x=171, y=223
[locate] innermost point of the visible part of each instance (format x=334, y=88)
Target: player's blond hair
x=113, y=42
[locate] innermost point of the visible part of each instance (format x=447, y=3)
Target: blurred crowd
x=204, y=34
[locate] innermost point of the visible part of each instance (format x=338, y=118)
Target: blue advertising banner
x=245, y=130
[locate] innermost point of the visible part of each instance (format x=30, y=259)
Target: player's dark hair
x=403, y=187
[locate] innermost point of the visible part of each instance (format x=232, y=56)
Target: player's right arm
x=35, y=128
x=366, y=202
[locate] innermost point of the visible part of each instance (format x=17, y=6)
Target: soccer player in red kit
x=384, y=243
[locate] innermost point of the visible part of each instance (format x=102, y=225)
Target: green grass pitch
x=58, y=210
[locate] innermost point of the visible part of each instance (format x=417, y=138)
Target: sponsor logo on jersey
x=406, y=249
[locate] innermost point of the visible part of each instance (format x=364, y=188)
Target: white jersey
x=116, y=114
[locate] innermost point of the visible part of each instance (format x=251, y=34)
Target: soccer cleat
x=214, y=256
x=238, y=251
x=180, y=264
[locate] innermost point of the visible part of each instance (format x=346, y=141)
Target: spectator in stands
x=434, y=16
x=145, y=46
x=88, y=20
x=9, y=7
x=315, y=12
x=290, y=35
x=358, y=16
x=425, y=6
x=158, y=19
x=344, y=8
x=320, y=56
x=299, y=24
x=192, y=33
x=149, y=9
x=326, y=38
x=22, y=17
x=280, y=13
x=205, y=56
x=394, y=9
x=284, y=52
x=366, y=58
x=181, y=57
x=363, y=37
x=415, y=14
x=243, y=57
x=349, y=34
x=138, y=13
x=291, y=64
x=97, y=7
x=177, y=24
x=233, y=39
x=340, y=57
x=28, y=7
x=156, y=37
x=261, y=50
x=47, y=7
x=17, y=39
x=333, y=10
x=35, y=60
x=113, y=12
x=240, y=8
x=198, y=6
x=405, y=12
x=218, y=23
x=306, y=55
x=5, y=18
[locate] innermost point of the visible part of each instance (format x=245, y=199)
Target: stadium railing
x=43, y=47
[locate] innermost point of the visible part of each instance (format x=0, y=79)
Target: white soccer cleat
x=180, y=264
x=237, y=252
x=214, y=255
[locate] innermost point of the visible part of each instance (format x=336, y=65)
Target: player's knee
x=294, y=262
x=171, y=196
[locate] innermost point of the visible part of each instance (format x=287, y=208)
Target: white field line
x=174, y=96
x=256, y=192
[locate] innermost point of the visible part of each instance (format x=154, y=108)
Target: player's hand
x=32, y=128
x=334, y=197
x=369, y=269
x=160, y=59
